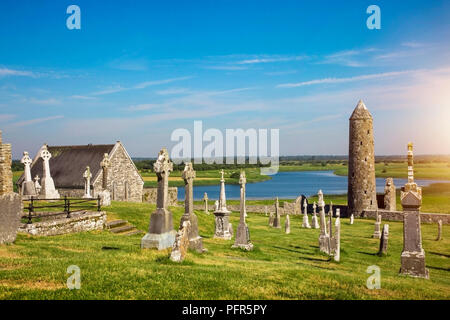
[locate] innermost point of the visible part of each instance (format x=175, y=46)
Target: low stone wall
x=86, y=221
x=149, y=195
x=398, y=216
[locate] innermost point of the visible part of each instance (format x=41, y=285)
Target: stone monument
x=413, y=255
x=277, y=218
x=242, y=233
x=377, y=231
x=390, y=199
x=105, y=195
x=287, y=225
x=337, y=237
x=384, y=240
x=160, y=233
x=439, y=236
x=37, y=186
x=361, y=162
x=48, y=190
x=27, y=189
x=305, y=223
x=314, y=221
x=181, y=243
x=195, y=241
x=271, y=219
x=323, y=237
x=205, y=201
x=87, y=175
x=352, y=218
x=222, y=214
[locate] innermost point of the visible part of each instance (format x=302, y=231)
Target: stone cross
x=222, y=197
x=384, y=241
x=27, y=188
x=277, y=218
x=287, y=225
x=337, y=237
x=105, y=165
x=37, y=186
x=377, y=232
x=390, y=199
x=222, y=214
x=48, y=190
x=87, y=175
x=242, y=233
x=413, y=255
x=330, y=221
x=205, y=200
x=314, y=221
x=188, y=175
x=439, y=237
x=323, y=237
x=161, y=234
x=305, y=216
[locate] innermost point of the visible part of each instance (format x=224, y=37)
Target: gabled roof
x=360, y=112
x=68, y=164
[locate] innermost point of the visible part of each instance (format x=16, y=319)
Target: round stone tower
x=361, y=162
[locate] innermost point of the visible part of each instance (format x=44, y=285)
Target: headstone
x=222, y=215
x=242, y=233
x=105, y=195
x=287, y=225
x=305, y=223
x=330, y=221
x=271, y=219
x=337, y=237
x=195, y=241
x=352, y=218
x=277, y=218
x=390, y=199
x=265, y=211
x=384, y=240
x=205, y=201
x=314, y=221
x=323, y=237
x=10, y=214
x=48, y=190
x=181, y=243
x=413, y=255
x=37, y=186
x=28, y=188
x=6, y=176
x=87, y=175
x=377, y=232
x=160, y=233
x=439, y=237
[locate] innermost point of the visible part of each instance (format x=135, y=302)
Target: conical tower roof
x=360, y=112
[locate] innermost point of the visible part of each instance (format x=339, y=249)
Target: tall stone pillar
x=105, y=195
x=390, y=199
x=277, y=218
x=6, y=176
x=337, y=238
x=28, y=188
x=160, y=232
x=195, y=241
x=361, y=162
x=242, y=233
x=305, y=223
x=323, y=237
x=315, y=223
x=87, y=175
x=48, y=190
x=413, y=255
x=222, y=214
x=205, y=200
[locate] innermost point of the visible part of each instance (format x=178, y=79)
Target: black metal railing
x=70, y=205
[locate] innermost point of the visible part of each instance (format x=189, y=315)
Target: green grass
x=281, y=266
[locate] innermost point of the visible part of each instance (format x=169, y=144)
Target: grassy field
x=281, y=266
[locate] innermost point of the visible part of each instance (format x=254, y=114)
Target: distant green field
x=281, y=266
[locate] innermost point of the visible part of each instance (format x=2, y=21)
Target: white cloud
x=10, y=72
x=35, y=121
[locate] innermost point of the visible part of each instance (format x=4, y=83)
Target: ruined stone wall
x=398, y=216
x=361, y=167
x=124, y=181
x=149, y=195
x=6, y=177
x=77, y=223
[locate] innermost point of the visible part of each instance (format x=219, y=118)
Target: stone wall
x=124, y=181
x=86, y=221
x=149, y=195
x=6, y=177
x=398, y=216
x=10, y=213
x=71, y=193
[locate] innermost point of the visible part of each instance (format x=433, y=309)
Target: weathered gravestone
x=305, y=223
x=181, y=243
x=390, y=199
x=384, y=240
x=323, y=237
x=271, y=219
x=377, y=231
x=337, y=237
x=87, y=175
x=439, y=236
x=222, y=215
x=277, y=218
x=28, y=188
x=287, y=225
x=413, y=255
x=105, y=195
x=242, y=233
x=205, y=201
x=160, y=233
x=48, y=190
x=195, y=241
x=314, y=221
x=352, y=218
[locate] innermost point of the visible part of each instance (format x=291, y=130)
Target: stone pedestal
x=222, y=214
x=161, y=234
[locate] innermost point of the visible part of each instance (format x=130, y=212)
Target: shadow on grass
x=368, y=253
x=440, y=254
x=438, y=268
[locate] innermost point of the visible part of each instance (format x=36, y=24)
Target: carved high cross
x=188, y=177
x=105, y=164
x=46, y=156
x=162, y=167
x=87, y=184
x=242, y=182
x=222, y=173
x=26, y=160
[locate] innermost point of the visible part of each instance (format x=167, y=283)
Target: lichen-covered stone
x=6, y=177
x=181, y=243
x=10, y=214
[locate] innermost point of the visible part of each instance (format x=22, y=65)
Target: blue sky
x=137, y=70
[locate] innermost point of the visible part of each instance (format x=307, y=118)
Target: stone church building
x=68, y=163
